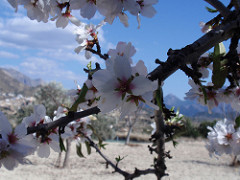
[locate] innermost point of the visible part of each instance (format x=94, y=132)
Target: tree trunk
x=159, y=163
x=68, y=145
x=129, y=134
x=131, y=121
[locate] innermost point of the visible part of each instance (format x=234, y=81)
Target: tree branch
x=224, y=11
x=62, y=121
x=128, y=176
x=103, y=56
x=191, y=53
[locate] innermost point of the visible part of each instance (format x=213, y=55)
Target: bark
x=159, y=163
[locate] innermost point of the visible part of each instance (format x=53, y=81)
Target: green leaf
x=89, y=65
x=80, y=99
x=61, y=144
x=79, y=150
x=175, y=143
x=88, y=147
x=219, y=73
x=118, y=159
x=159, y=96
x=101, y=145
x=237, y=121
x=211, y=10
x=219, y=50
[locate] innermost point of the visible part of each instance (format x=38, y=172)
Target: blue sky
x=40, y=50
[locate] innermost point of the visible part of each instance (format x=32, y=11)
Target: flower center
x=228, y=136
x=12, y=138
x=124, y=86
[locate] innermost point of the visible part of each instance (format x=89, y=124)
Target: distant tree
x=105, y=127
x=51, y=95
x=23, y=112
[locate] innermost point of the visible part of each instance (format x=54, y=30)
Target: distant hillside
x=23, y=78
x=195, y=110
x=12, y=83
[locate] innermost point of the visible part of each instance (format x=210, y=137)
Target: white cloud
x=44, y=51
x=49, y=70
x=31, y=34
x=5, y=54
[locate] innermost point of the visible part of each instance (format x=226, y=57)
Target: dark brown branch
x=127, y=176
x=191, y=53
x=62, y=121
x=220, y=7
x=103, y=56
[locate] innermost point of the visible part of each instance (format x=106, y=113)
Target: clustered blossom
x=90, y=97
x=77, y=130
x=224, y=138
x=61, y=10
x=86, y=36
x=122, y=86
x=213, y=97
x=210, y=99
x=15, y=144
x=50, y=140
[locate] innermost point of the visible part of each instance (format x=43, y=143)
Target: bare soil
x=190, y=162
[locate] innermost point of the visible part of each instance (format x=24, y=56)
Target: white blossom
x=221, y=138
x=204, y=27
x=119, y=87
x=14, y=144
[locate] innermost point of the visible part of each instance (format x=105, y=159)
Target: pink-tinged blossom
x=143, y=7
x=50, y=140
x=123, y=48
x=59, y=113
x=84, y=36
x=204, y=27
x=110, y=9
x=87, y=8
x=90, y=97
x=146, y=8
x=36, y=10
x=14, y=144
x=196, y=92
x=64, y=18
x=123, y=19
x=77, y=129
x=221, y=138
x=120, y=88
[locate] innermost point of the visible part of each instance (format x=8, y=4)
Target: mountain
x=13, y=83
x=22, y=78
x=191, y=108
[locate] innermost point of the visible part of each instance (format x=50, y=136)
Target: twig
x=220, y=7
x=103, y=56
x=191, y=53
x=62, y=121
x=127, y=176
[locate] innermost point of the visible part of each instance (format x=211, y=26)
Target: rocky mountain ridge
x=14, y=83
x=192, y=109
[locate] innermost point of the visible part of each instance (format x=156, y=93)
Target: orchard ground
x=190, y=162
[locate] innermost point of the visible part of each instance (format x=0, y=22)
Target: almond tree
x=125, y=86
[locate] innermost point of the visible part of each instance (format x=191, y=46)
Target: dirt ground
x=190, y=162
